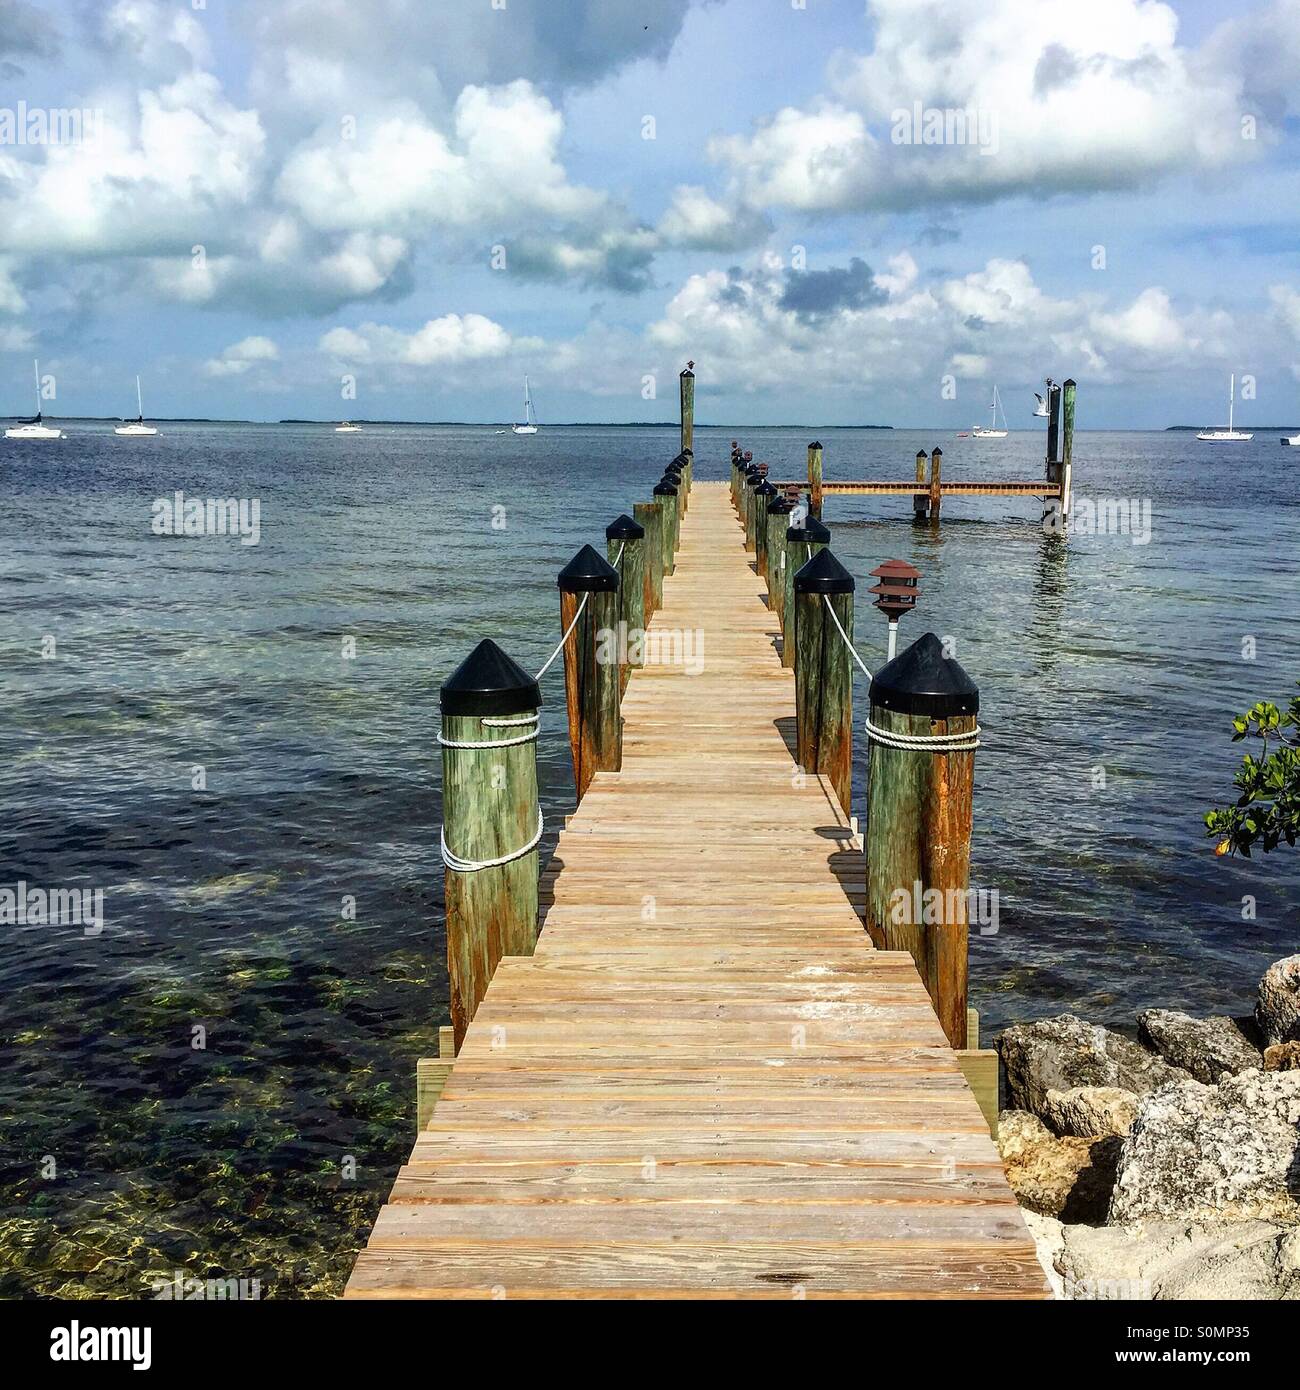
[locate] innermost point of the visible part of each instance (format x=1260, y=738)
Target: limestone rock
x=1282, y=1057
x=1049, y=1243
x=1277, y=1006
x=1167, y=1260
x=1207, y=1048
x=1090, y=1111
x=1208, y=1151
x=1070, y=1178
x=1059, y=1054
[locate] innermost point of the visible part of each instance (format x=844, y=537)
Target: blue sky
x=428, y=201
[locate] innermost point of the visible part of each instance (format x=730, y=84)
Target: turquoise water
x=263, y=1152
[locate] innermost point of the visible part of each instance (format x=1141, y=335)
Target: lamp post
x=898, y=590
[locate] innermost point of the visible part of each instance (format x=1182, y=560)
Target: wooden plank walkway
x=705, y=1083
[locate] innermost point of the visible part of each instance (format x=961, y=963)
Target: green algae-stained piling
x=802, y=542
x=936, y=481
x=625, y=541
x=778, y=523
x=763, y=494
x=823, y=674
x=919, y=814
x=815, y=478
x=665, y=494
x=1067, y=445
x=490, y=812
x=589, y=602
x=649, y=516
x=705, y=1081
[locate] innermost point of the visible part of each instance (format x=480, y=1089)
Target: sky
x=844, y=213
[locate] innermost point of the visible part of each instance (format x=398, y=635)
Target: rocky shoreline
x=1165, y=1166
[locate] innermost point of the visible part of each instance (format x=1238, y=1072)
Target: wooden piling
x=1067, y=444
x=591, y=679
x=649, y=516
x=686, y=381
x=920, y=499
x=815, y=479
x=625, y=543
x=763, y=494
x=936, y=493
x=801, y=543
x=823, y=672
x=666, y=494
x=919, y=823
x=753, y=480
x=489, y=810
x=688, y=473
x=778, y=523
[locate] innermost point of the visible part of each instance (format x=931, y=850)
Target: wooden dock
x=705, y=1083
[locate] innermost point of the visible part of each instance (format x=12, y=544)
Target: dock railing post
x=920, y=773
x=823, y=672
x=666, y=494
x=491, y=821
x=778, y=523
x=1067, y=445
x=936, y=476
x=649, y=516
x=763, y=494
x=815, y=479
x=753, y=479
x=589, y=603
x=625, y=544
x=686, y=381
x=802, y=542
x=920, y=498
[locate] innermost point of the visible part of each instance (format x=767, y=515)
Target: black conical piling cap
x=664, y=488
x=686, y=371
x=623, y=528
x=765, y=489
x=811, y=530
x=675, y=469
x=779, y=506
x=488, y=682
x=588, y=573
x=688, y=454
x=922, y=680
x=680, y=460
x=753, y=478
x=816, y=444
x=823, y=574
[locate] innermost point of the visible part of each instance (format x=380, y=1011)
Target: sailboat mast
x=1232, y=396
x=139, y=399
x=36, y=367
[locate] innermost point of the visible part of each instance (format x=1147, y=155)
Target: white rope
x=618, y=559
x=926, y=743
x=563, y=639
x=471, y=866
x=853, y=651
x=527, y=737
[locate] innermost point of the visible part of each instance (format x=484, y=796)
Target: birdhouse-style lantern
x=897, y=592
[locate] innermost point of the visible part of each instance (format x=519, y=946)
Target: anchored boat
x=35, y=428
x=1228, y=436
x=136, y=429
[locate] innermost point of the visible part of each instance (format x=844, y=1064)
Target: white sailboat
x=136, y=429
x=1228, y=436
x=35, y=428
x=991, y=430
x=530, y=420
x=347, y=427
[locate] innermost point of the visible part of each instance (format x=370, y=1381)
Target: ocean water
x=221, y=1081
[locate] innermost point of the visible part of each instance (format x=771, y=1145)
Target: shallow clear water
x=127, y=1149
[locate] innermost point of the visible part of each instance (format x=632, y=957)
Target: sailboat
x=347, y=427
x=136, y=429
x=1228, y=436
x=991, y=431
x=530, y=420
x=35, y=428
